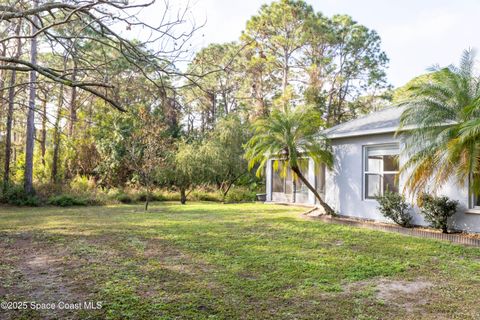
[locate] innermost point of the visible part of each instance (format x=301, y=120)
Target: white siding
x=344, y=185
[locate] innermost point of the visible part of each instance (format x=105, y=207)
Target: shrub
x=167, y=196
x=82, y=184
x=124, y=198
x=393, y=206
x=142, y=196
x=437, y=210
x=15, y=195
x=202, y=195
x=47, y=190
x=240, y=195
x=65, y=200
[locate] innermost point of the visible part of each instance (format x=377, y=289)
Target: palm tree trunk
x=325, y=206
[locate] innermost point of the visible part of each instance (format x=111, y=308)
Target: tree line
x=89, y=89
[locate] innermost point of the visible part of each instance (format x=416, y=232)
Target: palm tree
x=290, y=135
x=441, y=125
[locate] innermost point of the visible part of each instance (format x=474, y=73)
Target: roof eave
x=361, y=133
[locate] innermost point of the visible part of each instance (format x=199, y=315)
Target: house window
x=475, y=204
x=380, y=170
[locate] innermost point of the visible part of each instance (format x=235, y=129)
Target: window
x=380, y=170
x=475, y=199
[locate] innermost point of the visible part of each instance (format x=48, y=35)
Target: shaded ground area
x=214, y=261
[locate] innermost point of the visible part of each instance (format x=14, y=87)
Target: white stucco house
x=367, y=159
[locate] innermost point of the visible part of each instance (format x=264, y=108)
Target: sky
x=415, y=34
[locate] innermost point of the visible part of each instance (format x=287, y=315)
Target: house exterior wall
x=344, y=185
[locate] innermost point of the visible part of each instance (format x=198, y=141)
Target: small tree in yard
x=147, y=150
x=437, y=210
x=393, y=206
x=225, y=147
x=188, y=168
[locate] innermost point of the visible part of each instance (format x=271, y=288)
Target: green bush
x=124, y=198
x=202, y=195
x=82, y=184
x=393, y=206
x=142, y=196
x=437, y=210
x=15, y=195
x=240, y=195
x=167, y=195
x=65, y=200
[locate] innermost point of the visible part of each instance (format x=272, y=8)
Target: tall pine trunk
x=30, y=134
x=325, y=206
x=43, y=141
x=9, y=122
x=72, y=104
x=56, y=138
x=3, y=77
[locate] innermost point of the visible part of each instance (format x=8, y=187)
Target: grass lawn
x=246, y=261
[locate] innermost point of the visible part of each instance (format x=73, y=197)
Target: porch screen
x=320, y=179
x=380, y=170
x=278, y=180
x=300, y=187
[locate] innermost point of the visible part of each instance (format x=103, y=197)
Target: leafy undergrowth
x=207, y=260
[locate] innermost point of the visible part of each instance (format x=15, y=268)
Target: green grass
x=214, y=261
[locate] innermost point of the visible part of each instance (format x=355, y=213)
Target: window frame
x=473, y=197
x=381, y=173
x=474, y=202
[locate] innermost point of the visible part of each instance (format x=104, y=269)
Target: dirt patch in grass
x=38, y=274
x=410, y=296
x=406, y=294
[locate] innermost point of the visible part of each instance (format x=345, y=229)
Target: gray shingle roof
x=383, y=121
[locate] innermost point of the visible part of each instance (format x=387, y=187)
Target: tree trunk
x=285, y=73
x=3, y=76
x=183, y=195
x=8, y=130
x=325, y=206
x=72, y=104
x=444, y=229
x=56, y=138
x=44, y=130
x=147, y=199
x=224, y=193
x=30, y=134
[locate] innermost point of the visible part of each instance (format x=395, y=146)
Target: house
x=367, y=158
